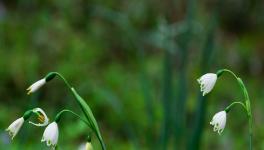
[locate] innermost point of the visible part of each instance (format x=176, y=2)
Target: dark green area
x=135, y=62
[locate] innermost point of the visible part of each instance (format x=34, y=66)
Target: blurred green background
x=135, y=62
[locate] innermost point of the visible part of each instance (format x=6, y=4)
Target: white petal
x=51, y=134
x=82, y=146
x=42, y=113
x=15, y=127
x=89, y=146
x=219, y=121
x=207, y=82
x=35, y=86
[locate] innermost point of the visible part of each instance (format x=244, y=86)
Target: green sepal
x=57, y=118
x=50, y=76
x=27, y=114
x=220, y=72
x=227, y=109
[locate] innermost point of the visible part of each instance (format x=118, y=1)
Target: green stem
x=228, y=108
x=58, y=116
x=65, y=81
x=247, y=101
x=83, y=104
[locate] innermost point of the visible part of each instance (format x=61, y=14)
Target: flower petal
x=42, y=117
x=15, y=127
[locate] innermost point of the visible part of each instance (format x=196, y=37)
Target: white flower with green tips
x=15, y=127
x=88, y=146
x=42, y=117
x=207, y=82
x=219, y=121
x=35, y=86
x=51, y=135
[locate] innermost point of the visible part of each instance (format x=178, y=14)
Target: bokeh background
x=135, y=62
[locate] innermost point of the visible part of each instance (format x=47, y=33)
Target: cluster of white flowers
x=51, y=133
x=14, y=128
x=207, y=83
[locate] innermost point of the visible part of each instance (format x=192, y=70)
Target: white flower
x=42, y=117
x=207, y=82
x=15, y=127
x=89, y=146
x=35, y=86
x=219, y=121
x=82, y=146
x=51, y=135
x=86, y=146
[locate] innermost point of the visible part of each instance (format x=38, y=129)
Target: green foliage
x=90, y=117
x=127, y=59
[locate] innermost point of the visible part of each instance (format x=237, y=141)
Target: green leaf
x=89, y=116
x=242, y=85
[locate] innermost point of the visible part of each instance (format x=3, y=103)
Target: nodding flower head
x=15, y=127
x=51, y=135
x=207, y=82
x=219, y=121
x=42, y=117
x=35, y=86
x=88, y=146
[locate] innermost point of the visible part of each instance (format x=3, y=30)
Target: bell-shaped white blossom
x=207, y=82
x=35, y=86
x=88, y=146
x=82, y=146
x=42, y=117
x=51, y=135
x=15, y=127
x=219, y=121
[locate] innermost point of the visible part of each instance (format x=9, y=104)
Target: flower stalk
x=246, y=103
x=51, y=133
x=91, y=122
x=59, y=115
x=228, y=108
x=207, y=83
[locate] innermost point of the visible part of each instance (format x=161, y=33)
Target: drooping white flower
x=88, y=146
x=207, y=82
x=82, y=146
x=35, y=86
x=51, y=135
x=42, y=117
x=15, y=127
x=219, y=121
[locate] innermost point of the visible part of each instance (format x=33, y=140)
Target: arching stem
x=228, y=108
x=247, y=102
x=58, y=116
x=86, y=110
